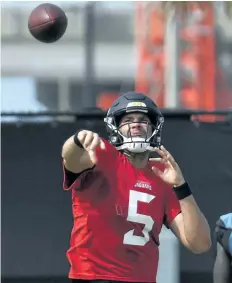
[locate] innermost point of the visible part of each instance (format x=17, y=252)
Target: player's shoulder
x=106, y=142
x=109, y=148
x=108, y=145
x=108, y=157
x=226, y=220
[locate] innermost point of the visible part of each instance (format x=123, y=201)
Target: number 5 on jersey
x=134, y=216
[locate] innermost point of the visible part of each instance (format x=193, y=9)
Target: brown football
x=47, y=23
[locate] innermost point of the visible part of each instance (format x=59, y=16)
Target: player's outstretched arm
x=78, y=151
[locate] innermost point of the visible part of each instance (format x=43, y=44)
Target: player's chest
x=139, y=194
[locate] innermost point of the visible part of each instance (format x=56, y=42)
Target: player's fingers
x=169, y=157
x=94, y=142
x=171, y=160
x=81, y=136
x=92, y=156
x=165, y=150
x=158, y=159
x=160, y=152
x=88, y=140
x=102, y=144
x=157, y=171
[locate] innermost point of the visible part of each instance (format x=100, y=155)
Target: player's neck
x=138, y=160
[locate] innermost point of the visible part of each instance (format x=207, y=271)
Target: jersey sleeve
x=74, y=180
x=172, y=207
x=223, y=232
x=106, y=164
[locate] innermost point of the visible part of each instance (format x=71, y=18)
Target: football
x=47, y=23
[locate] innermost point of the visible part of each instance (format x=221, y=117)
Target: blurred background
x=183, y=62
x=110, y=47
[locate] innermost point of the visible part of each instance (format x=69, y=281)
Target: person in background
x=222, y=272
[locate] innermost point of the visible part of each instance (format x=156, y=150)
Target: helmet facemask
x=136, y=144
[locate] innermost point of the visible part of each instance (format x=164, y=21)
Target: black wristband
x=76, y=140
x=182, y=191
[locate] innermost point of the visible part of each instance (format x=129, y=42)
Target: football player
x=222, y=272
x=121, y=197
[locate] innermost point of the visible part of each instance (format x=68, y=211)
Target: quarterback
x=121, y=196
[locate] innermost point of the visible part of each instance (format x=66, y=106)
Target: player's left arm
x=191, y=227
x=189, y=223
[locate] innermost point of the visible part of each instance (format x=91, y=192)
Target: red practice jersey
x=118, y=214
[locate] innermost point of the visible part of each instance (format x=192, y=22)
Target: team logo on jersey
x=144, y=185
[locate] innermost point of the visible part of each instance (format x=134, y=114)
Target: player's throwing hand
x=172, y=173
x=90, y=141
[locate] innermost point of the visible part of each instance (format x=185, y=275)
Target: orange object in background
x=106, y=99
x=188, y=98
x=150, y=27
x=198, y=58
